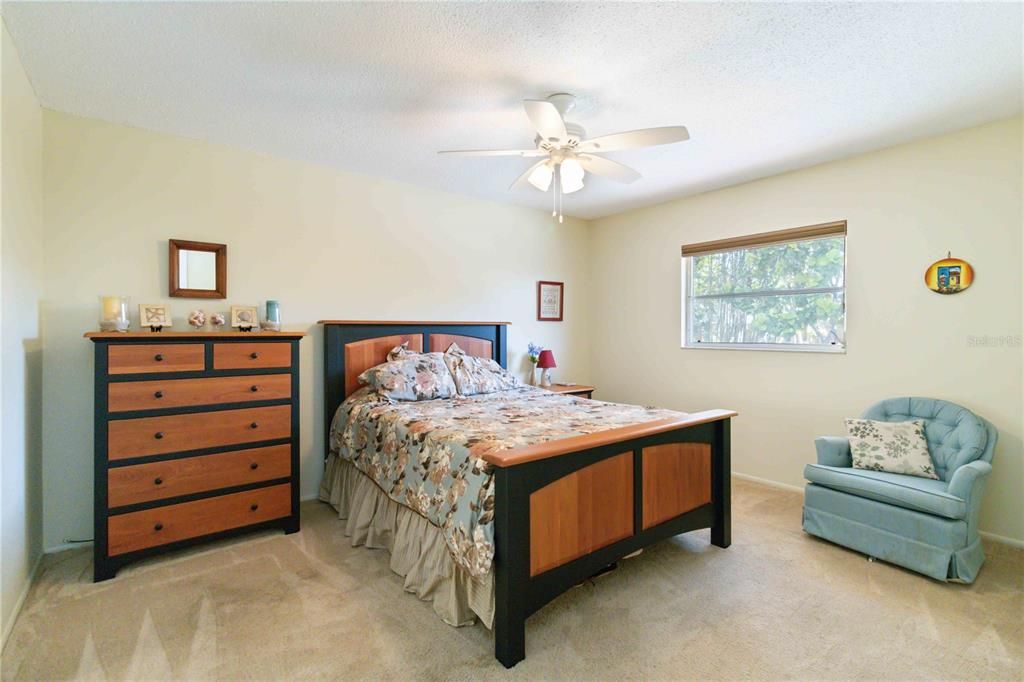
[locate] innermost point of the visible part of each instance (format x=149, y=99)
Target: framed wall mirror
x=197, y=269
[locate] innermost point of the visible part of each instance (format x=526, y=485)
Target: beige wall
x=906, y=206
x=21, y=273
x=326, y=243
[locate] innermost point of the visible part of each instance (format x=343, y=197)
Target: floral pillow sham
x=401, y=351
x=896, y=447
x=417, y=376
x=475, y=375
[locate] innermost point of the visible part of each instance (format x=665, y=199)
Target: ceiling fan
x=566, y=153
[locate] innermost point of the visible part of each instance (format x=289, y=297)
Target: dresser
x=196, y=438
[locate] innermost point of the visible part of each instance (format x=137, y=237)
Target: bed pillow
x=475, y=375
x=418, y=376
x=401, y=351
x=896, y=447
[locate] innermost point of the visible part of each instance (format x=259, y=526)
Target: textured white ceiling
x=379, y=88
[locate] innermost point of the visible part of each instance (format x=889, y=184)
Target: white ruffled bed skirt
x=417, y=547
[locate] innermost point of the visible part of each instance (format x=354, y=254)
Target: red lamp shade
x=546, y=360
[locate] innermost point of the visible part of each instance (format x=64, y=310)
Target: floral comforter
x=427, y=455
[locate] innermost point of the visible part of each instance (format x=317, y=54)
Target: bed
x=493, y=505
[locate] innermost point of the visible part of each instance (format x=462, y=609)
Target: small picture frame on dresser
x=245, y=318
x=155, y=316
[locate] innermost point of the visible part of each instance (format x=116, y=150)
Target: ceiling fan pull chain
x=554, y=200
x=558, y=189
x=561, y=200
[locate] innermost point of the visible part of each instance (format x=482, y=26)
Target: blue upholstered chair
x=929, y=526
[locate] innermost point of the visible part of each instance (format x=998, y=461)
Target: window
x=782, y=290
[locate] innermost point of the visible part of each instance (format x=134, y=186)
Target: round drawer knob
x=158, y=526
x=158, y=394
x=158, y=481
x=253, y=507
x=158, y=357
x=158, y=435
x=254, y=355
x=254, y=466
x=254, y=388
x=253, y=425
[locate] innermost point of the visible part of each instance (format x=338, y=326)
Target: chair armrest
x=968, y=480
x=833, y=451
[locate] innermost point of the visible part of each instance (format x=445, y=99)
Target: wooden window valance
x=833, y=229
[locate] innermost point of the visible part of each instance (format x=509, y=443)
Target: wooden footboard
x=568, y=508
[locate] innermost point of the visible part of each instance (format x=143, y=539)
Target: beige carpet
x=777, y=604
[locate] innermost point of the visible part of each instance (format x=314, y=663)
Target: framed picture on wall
x=550, y=301
x=949, y=275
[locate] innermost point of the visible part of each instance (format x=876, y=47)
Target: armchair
x=929, y=526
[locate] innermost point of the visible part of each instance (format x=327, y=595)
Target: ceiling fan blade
x=545, y=119
x=524, y=180
x=634, y=139
x=496, y=152
x=607, y=168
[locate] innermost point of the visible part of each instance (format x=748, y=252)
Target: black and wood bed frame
x=564, y=509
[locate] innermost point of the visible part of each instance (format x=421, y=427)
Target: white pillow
x=896, y=447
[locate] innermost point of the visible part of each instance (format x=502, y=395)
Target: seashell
x=217, y=320
x=197, y=318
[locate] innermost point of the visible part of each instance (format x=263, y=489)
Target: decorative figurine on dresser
x=197, y=438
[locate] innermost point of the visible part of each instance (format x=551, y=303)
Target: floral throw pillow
x=896, y=447
x=418, y=376
x=475, y=375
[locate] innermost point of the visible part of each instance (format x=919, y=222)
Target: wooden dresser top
x=203, y=336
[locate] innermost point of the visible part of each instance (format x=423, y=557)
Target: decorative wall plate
x=949, y=275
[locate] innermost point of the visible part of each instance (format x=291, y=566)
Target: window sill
x=775, y=348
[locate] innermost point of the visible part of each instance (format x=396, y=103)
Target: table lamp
x=545, y=362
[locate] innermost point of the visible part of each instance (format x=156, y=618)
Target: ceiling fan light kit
x=567, y=156
x=572, y=176
x=541, y=177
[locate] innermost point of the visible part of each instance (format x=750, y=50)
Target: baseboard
x=767, y=482
x=9, y=628
x=1002, y=539
x=66, y=546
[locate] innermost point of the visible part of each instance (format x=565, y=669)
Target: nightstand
x=581, y=390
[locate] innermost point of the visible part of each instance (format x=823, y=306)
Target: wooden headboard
x=351, y=346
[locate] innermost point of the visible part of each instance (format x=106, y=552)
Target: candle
x=273, y=319
x=111, y=307
x=114, y=314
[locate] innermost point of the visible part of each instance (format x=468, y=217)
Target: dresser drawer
x=159, y=526
x=171, y=478
x=181, y=432
x=251, y=355
x=152, y=395
x=154, y=357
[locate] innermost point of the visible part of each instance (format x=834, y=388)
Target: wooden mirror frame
x=220, y=252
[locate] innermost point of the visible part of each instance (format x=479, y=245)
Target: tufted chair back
x=955, y=435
